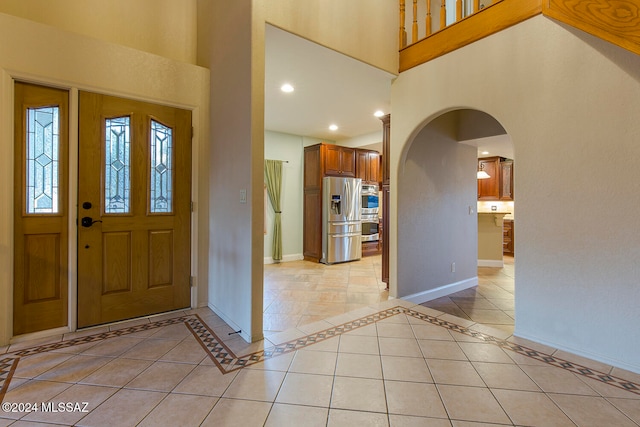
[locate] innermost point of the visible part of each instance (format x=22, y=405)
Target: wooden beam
x=616, y=22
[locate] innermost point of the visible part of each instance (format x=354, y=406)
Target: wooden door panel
x=136, y=260
x=40, y=294
x=116, y=256
x=42, y=269
x=160, y=258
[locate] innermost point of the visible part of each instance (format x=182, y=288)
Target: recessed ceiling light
x=286, y=88
x=333, y=127
x=379, y=113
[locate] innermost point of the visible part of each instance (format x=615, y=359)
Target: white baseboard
x=591, y=356
x=442, y=291
x=246, y=335
x=285, y=258
x=490, y=263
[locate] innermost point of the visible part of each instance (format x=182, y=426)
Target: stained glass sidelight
x=117, y=188
x=161, y=197
x=43, y=147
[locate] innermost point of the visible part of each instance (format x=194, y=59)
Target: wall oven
x=369, y=213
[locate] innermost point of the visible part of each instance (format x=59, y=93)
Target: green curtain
x=273, y=178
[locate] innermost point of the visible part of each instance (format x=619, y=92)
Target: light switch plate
x=243, y=196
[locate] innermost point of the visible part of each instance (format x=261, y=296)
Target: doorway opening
x=440, y=221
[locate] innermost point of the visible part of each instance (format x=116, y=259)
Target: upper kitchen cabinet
x=506, y=180
x=489, y=188
x=339, y=161
x=500, y=184
x=368, y=166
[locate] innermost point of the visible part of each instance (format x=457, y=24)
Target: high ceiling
x=330, y=88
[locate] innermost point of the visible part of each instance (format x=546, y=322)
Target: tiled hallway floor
x=388, y=363
x=490, y=303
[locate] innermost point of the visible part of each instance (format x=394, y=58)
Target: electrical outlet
x=243, y=196
x=453, y=267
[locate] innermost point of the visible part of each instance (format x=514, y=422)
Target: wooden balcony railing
x=462, y=22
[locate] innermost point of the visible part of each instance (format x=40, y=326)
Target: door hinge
x=192, y=208
x=193, y=132
x=191, y=281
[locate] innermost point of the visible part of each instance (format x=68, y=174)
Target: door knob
x=87, y=221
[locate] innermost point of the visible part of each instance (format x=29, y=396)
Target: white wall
x=436, y=187
x=38, y=53
x=364, y=30
x=570, y=103
x=235, y=55
x=282, y=146
x=163, y=27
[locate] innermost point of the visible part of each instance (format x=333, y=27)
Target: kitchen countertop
x=498, y=216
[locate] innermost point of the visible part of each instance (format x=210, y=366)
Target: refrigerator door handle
x=346, y=235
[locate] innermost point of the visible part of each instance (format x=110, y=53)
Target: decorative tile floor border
x=12, y=358
x=227, y=361
x=7, y=368
x=531, y=353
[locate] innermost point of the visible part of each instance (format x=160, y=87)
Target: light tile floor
x=490, y=303
x=388, y=363
x=301, y=292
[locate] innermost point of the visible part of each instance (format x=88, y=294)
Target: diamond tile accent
x=7, y=368
x=227, y=361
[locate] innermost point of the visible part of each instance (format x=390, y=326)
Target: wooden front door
x=40, y=209
x=134, y=205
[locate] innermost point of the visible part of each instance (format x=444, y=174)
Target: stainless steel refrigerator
x=341, y=221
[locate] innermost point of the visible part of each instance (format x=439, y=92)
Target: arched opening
x=440, y=217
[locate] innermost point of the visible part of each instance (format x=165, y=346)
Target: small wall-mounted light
x=481, y=173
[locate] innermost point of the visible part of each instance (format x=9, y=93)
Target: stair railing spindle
x=428, y=20
x=414, y=29
x=402, y=34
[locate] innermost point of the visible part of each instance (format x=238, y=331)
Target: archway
x=438, y=214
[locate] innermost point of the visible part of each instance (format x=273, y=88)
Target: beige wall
x=570, y=104
x=235, y=54
x=162, y=27
x=68, y=60
x=435, y=187
x=362, y=29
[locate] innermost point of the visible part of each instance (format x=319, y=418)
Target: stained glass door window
x=43, y=148
x=161, y=190
x=117, y=188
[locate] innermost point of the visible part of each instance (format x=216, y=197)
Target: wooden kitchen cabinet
x=368, y=166
x=506, y=180
x=500, y=184
x=320, y=160
x=489, y=188
x=339, y=161
x=508, y=237
x=386, y=195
